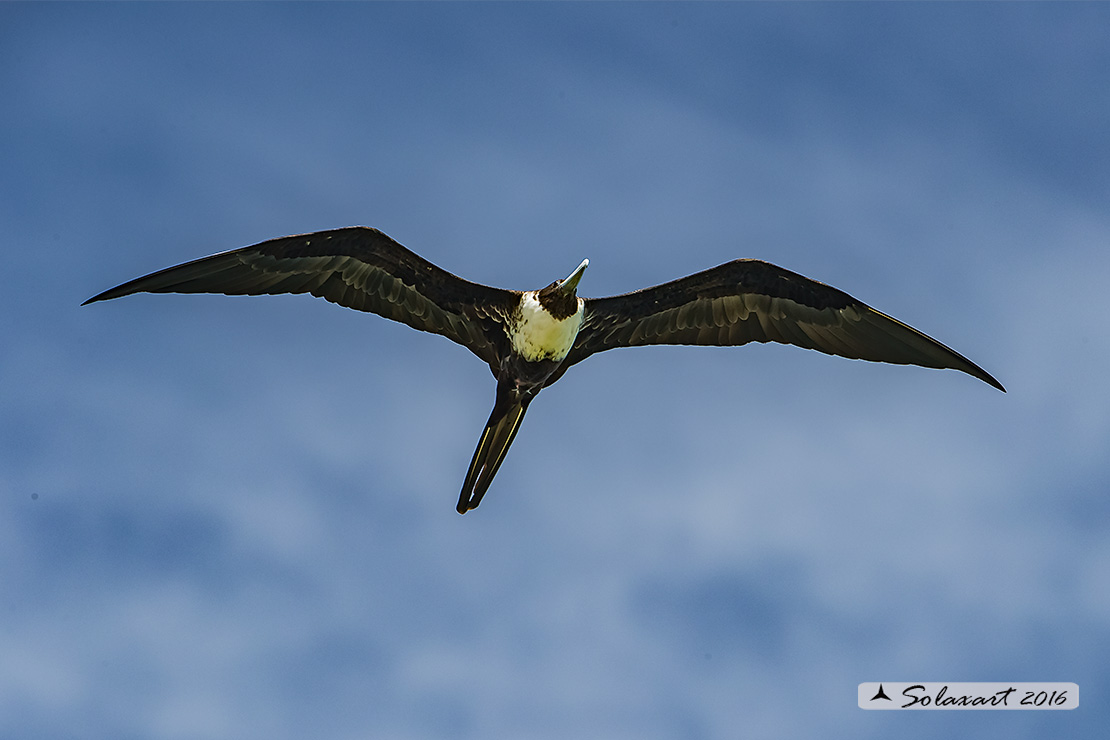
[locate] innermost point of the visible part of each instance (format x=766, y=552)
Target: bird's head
x=560, y=298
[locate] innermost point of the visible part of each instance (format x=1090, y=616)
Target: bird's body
x=529, y=339
x=540, y=335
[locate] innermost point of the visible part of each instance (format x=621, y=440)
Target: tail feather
x=500, y=431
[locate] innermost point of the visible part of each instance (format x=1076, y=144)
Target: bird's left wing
x=357, y=267
x=753, y=301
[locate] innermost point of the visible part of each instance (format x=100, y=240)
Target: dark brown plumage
x=529, y=339
x=753, y=301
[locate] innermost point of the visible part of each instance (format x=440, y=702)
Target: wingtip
x=987, y=378
x=107, y=294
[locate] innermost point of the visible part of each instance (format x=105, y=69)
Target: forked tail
x=500, y=431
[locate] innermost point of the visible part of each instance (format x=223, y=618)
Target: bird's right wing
x=357, y=267
x=753, y=301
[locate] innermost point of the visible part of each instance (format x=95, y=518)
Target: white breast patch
x=540, y=336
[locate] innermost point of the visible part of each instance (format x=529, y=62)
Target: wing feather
x=356, y=267
x=754, y=301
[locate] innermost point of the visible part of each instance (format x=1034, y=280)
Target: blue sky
x=234, y=518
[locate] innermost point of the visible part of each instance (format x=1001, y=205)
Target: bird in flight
x=530, y=338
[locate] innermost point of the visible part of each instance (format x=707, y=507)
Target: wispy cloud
x=234, y=517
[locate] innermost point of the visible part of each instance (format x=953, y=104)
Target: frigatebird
x=530, y=338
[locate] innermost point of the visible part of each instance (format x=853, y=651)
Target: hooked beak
x=569, y=285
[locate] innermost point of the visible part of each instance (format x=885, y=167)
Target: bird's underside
x=529, y=339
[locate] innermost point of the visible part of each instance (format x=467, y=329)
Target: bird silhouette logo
x=881, y=694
